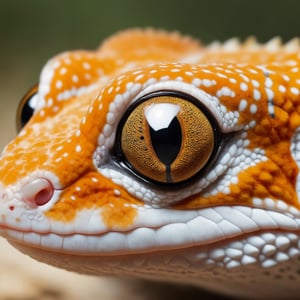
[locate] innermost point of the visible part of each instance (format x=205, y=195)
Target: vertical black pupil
x=166, y=143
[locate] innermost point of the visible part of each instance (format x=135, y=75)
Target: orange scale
x=261, y=191
x=265, y=177
x=294, y=121
x=279, y=98
x=281, y=117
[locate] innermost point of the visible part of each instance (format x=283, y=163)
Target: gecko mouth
x=264, y=248
x=203, y=228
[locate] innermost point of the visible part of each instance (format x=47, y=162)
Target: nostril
x=43, y=196
x=38, y=192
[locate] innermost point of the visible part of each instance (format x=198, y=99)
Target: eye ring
x=25, y=110
x=169, y=176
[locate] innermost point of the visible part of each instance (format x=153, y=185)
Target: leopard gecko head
x=157, y=157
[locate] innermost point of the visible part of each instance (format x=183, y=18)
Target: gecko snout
x=37, y=192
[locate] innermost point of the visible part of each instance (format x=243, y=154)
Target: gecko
x=158, y=157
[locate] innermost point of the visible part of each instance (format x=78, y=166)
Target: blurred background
x=32, y=31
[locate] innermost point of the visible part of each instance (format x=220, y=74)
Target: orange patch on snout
x=118, y=215
x=93, y=191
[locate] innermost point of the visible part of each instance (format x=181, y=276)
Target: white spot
x=253, y=109
x=75, y=78
x=63, y=71
x=245, y=77
x=232, y=80
x=196, y=82
x=58, y=84
x=255, y=83
x=189, y=73
x=221, y=75
x=256, y=94
x=282, y=88
x=139, y=77
x=207, y=82
x=295, y=91
x=286, y=78
x=253, y=71
x=225, y=91
x=78, y=148
x=110, y=90
x=50, y=102
x=86, y=66
x=244, y=86
x=94, y=179
x=136, y=72
x=268, y=82
x=243, y=104
x=206, y=71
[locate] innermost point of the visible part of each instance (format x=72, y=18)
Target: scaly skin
x=228, y=221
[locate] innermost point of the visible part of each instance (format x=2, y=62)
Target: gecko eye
x=26, y=107
x=167, y=137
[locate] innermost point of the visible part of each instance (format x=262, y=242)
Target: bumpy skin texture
x=234, y=228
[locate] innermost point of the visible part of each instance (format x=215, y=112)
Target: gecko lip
x=205, y=228
x=113, y=243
